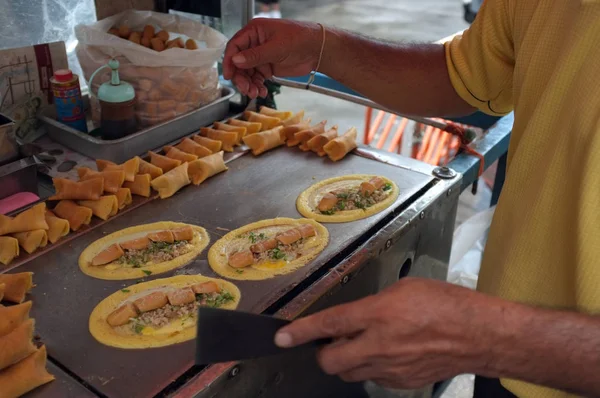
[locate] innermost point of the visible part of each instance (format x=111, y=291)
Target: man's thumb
x=254, y=57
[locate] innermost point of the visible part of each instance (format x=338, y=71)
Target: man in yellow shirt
x=539, y=288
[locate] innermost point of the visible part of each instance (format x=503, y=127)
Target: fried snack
x=144, y=85
x=307, y=135
x=288, y=132
x=297, y=118
x=338, y=147
x=317, y=143
x=124, y=31
x=16, y=286
x=32, y=240
x=191, y=146
x=108, y=255
x=172, y=181
x=58, y=227
x=241, y=131
x=9, y=249
x=149, y=168
x=135, y=37
x=145, y=42
x=11, y=317
x=130, y=167
x=282, y=115
x=264, y=141
x=190, y=44
x=141, y=185
x=183, y=108
x=228, y=138
x=102, y=208
x=148, y=31
x=75, y=214
x=166, y=105
x=163, y=35
x=82, y=190
x=165, y=163
x=113, y=179
x=251, y=127
x=201, y=169
x=317, y=129
x=267, y=122
x=17, y=345
x=113, y=31
x=213, y=145
x=32, y=218
x=176, y=91
x=157, y=44
x=124, y=197
x=25, y=376
x=177, y=42
x=178, y=154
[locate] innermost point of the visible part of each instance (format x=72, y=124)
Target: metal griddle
x=253, y=189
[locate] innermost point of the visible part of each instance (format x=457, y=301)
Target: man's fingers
x=344, y=355
x=241, y=81
x=257, y=56
x=361, y=373
x=337, y=321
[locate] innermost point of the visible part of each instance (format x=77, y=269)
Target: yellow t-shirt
x=542, y=59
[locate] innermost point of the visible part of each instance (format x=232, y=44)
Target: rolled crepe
x=227, y=138
x=307, y=134
x=240, y=130
x=141, y=185
x=17, y=345
x=149, y=168
x=102, y=208
x=17, y=285
x=130, y=167
x=26, y=375
x=264, y=141
x=283, y=115
x=190, y=146
x=59, y=227
x=124, y=197
x=337, y=148
x=82, y=190
x=75, y=214
x=11, y=317
x=174, y=153
x=165, y=163
x=32, y=240
x=251, y=127
x=317, y=143
x=213, y=145
x=201, y=169
x=9, y=249
x=287, y=132
x=297, y=118
x=32, y=218
x=171, y=182
x=267, y=122
x=113, y=179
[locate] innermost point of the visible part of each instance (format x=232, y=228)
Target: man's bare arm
x=409, y=78
x=420, y=331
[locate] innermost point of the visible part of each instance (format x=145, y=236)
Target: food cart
x=412, y=237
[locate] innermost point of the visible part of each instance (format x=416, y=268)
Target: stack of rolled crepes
x=22, y=364
x=30, y=230
x=271, y=128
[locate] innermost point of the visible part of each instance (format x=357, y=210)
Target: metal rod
x=357, y=100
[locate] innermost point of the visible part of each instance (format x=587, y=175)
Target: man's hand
x=269, y=47
x=414, y=333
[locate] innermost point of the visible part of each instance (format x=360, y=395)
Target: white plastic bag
x=168, y=83
x=467, y=249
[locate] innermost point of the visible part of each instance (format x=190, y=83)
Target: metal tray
x=138, y=143
x=252, y=189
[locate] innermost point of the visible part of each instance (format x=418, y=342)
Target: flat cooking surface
x=252, y=189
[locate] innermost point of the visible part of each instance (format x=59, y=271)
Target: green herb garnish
x=137, y=328
x=277, y=254
x=387, y=186
x=125, y=290
x=342, y=196
x=341, y=205
x=328, y=212
x=145, y=271
x=219, y=299
x=239, y=271
x=255, y=238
